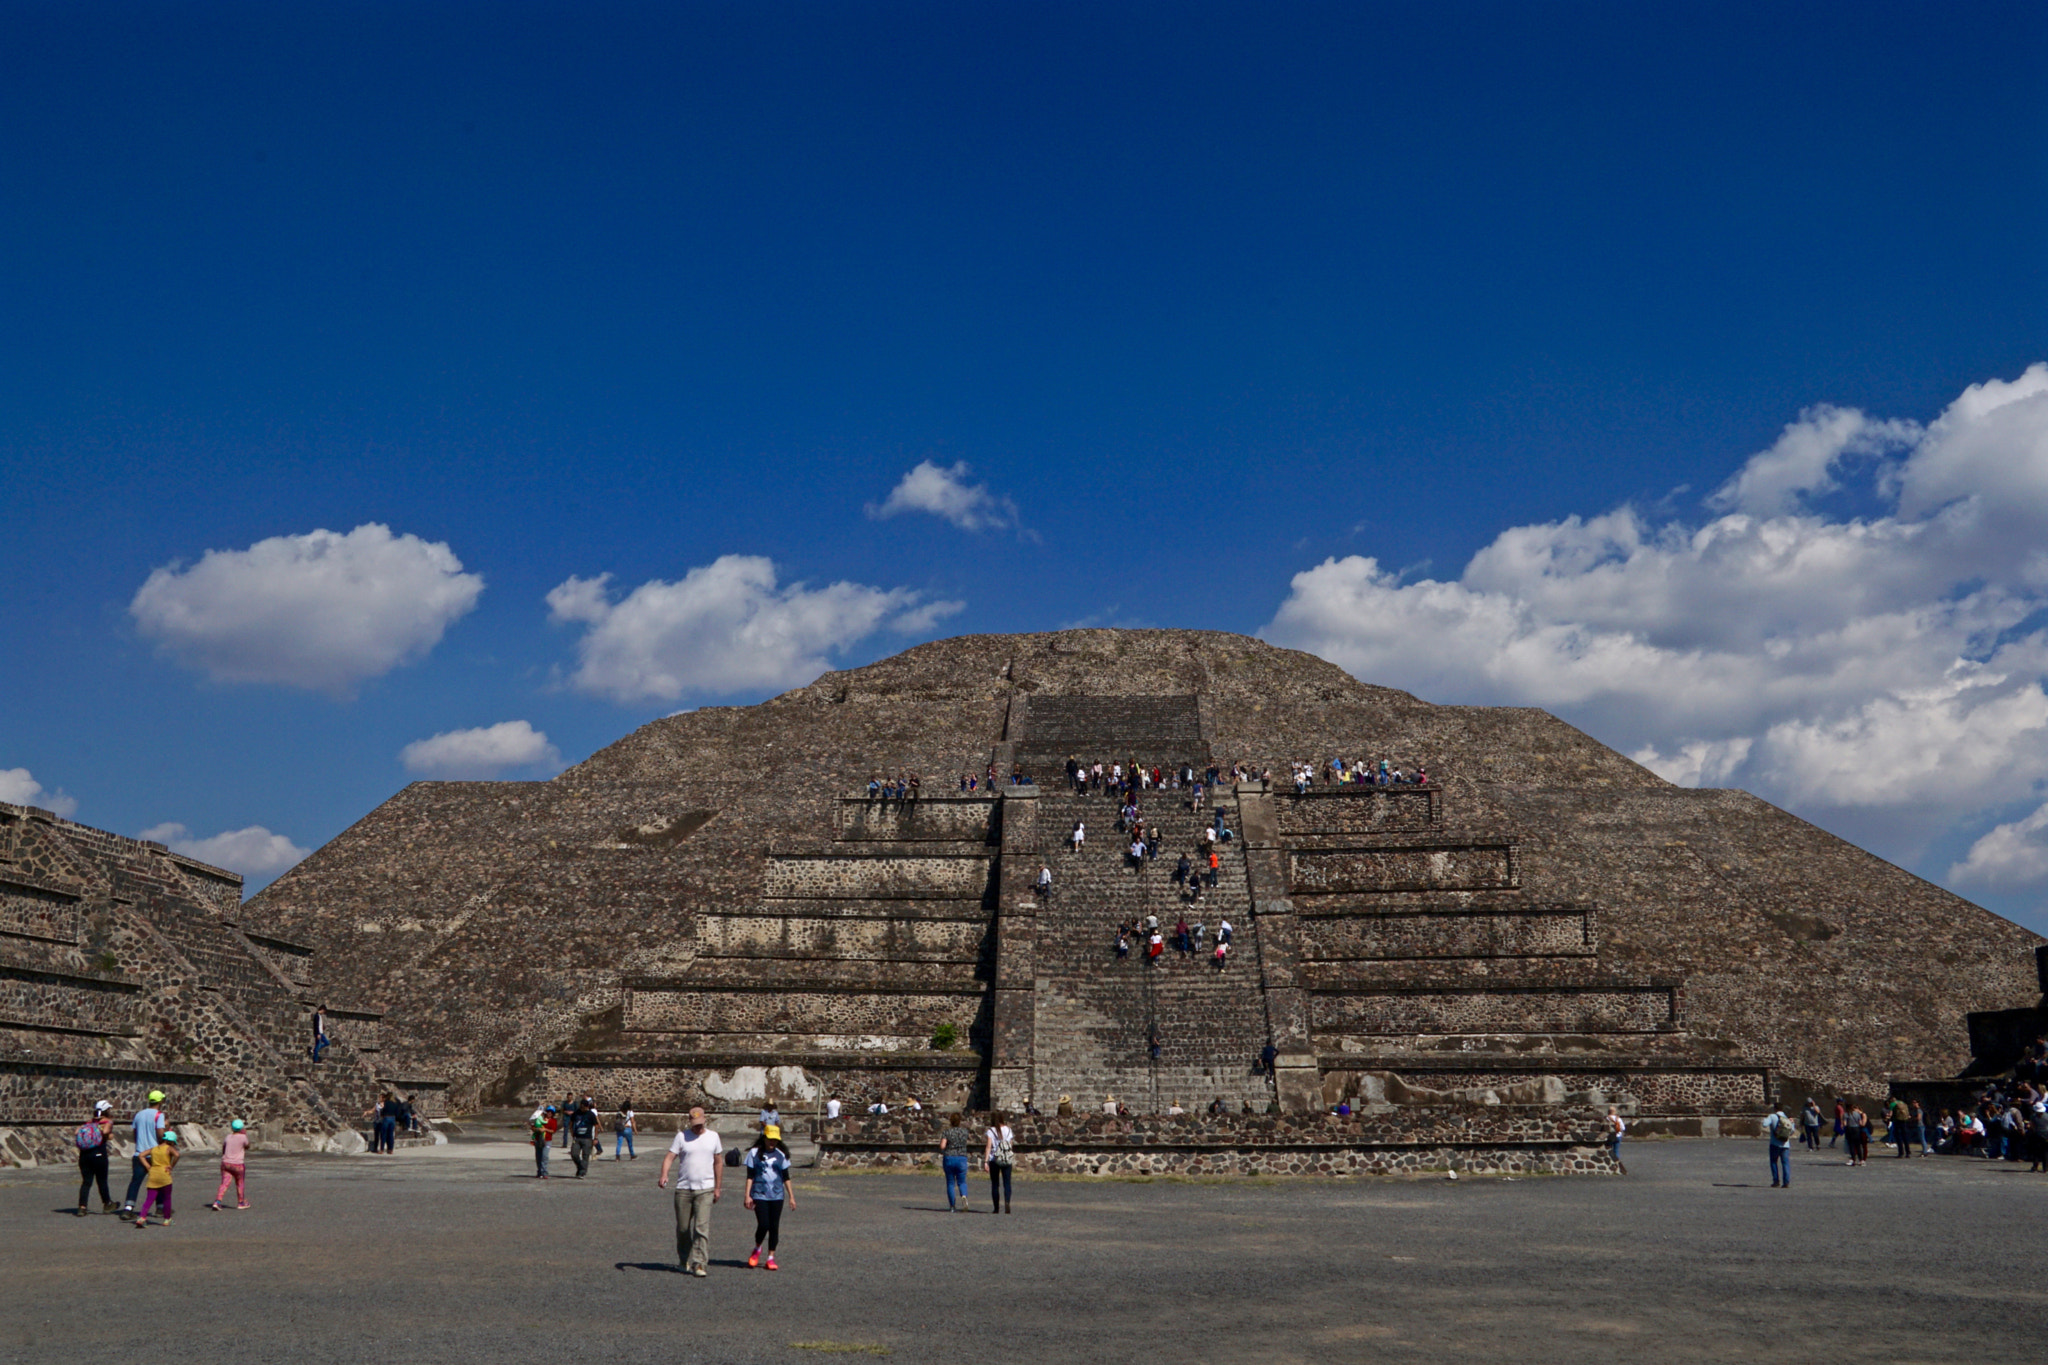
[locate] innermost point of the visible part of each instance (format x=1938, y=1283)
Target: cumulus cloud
x=322, y=611
x=254, y=852
x=18, y=787
x=482, y=752
x=945, y=493
x=2011, y=857
x=725, y=627
x=1852, y=663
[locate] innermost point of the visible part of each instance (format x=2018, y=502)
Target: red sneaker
x=772, y=1265
x=754, y=1261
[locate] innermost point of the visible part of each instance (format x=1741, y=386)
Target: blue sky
x=1667, y=369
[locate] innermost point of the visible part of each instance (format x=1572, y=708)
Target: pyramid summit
x=717, y=909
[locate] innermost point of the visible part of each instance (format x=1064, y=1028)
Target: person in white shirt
x=1080, y=834
x=1045, y=883
x=832, y=1108
x=698, y=1186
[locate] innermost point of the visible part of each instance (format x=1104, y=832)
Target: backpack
x=89, y=1138
x=1782, y=1130
x=1006, y=1150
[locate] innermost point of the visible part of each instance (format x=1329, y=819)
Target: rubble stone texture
x=712, y=910
x=123, y=969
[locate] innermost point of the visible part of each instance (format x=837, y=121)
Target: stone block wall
x=1358, y=809
x=1613, y=1009
x=909, y=876
x=32, y=912
x=934, y=818
x=897, y=1015
x=1478, y=1140
x=1467, y=867
x=889, y=940
x=1526, y=933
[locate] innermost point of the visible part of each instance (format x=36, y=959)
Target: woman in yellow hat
x=767, y=1163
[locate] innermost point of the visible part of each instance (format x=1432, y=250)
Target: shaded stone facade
x=123, y=969
x=713, y=907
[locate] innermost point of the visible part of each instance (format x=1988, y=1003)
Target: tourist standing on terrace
x=767, y=1163
x=699, y=1184
x=956, y=1147
x=319, y=1033
x=999, y=1152
x=149, y=1123
x=91, y=1141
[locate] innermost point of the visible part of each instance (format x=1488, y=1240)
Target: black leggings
x=999, y=1184
x=768, y=1221
x=92, y=1166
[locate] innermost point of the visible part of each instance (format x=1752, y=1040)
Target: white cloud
x=2009, y=857
x=726, y=627
x=18, y=787
x=944, y=492
x=1802, y=461
x=1853, y=664
x=320, y=611
x=254, y=852
x=482, y=752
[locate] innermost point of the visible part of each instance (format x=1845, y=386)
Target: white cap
x=103, y=1106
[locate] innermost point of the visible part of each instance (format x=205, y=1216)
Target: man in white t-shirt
x=832, y=1108
x=698, y=1186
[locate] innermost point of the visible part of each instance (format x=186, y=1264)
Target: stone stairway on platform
x=1096, y=1014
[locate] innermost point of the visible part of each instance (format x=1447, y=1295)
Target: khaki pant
x=693, y=1228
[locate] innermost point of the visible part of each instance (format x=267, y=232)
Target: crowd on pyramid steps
x=1338, y=772
x=153, y=1162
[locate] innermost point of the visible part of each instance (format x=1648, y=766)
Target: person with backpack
x=1780, y=1129
x=622, y=1126
x=1000, y=1155
x=163, y=1158
x=234, y=1167
x=91, y=1141
x=148, y=1125
x=768, y=1192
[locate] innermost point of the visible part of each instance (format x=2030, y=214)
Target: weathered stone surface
x=122, y=971
x=1544, y=898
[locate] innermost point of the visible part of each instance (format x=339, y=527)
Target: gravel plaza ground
x=456, y=1254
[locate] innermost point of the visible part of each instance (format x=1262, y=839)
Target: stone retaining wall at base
x=1491, y=1139
x=1266, y=1161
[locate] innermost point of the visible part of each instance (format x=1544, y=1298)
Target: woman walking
x=1617, y=1128
x=234, y=1167
x=91, y=1141
x=1000, y=1155
x=956, y=1147
x=623, y=1126
x=768, y=1192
